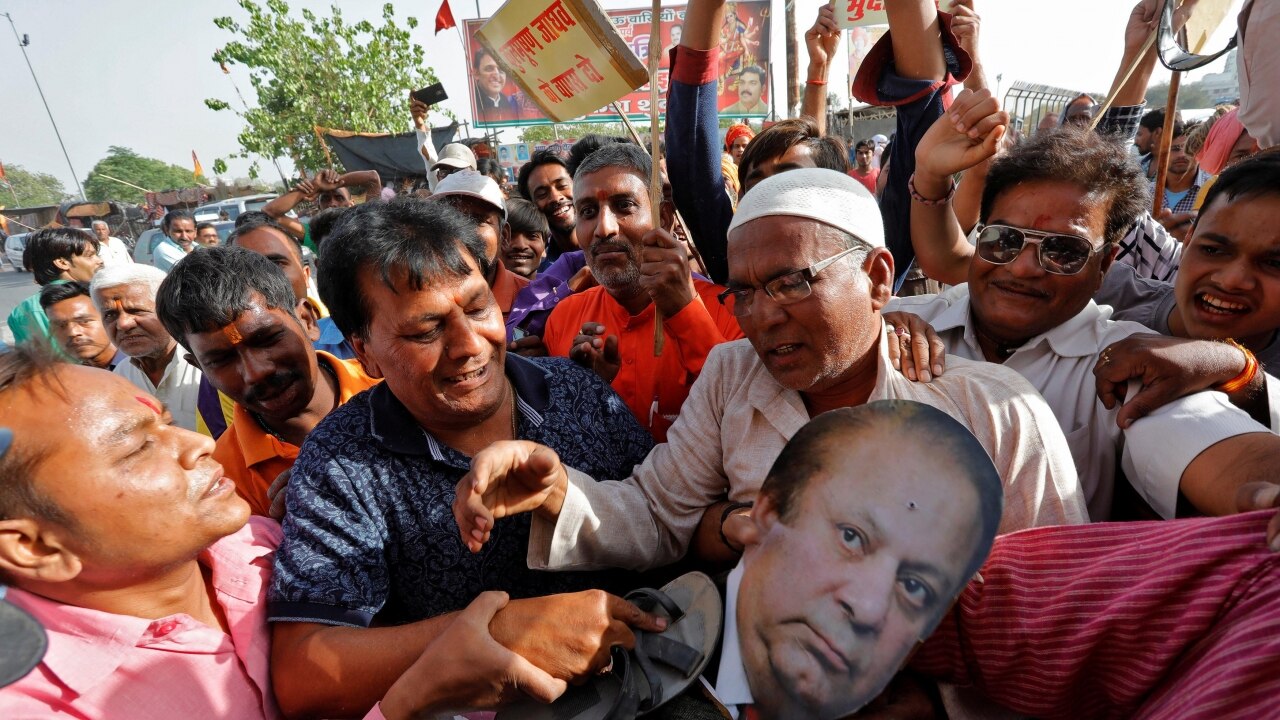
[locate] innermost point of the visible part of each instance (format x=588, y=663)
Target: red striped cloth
x=1174, y=619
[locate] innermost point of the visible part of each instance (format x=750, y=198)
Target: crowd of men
x=425, y=454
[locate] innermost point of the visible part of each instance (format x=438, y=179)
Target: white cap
x=456, y=155
x=471, y=184
x=880, y=139
x=827, y=196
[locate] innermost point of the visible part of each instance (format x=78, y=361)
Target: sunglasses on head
x=1058, y=254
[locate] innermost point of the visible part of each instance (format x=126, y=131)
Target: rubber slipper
x=661, y=666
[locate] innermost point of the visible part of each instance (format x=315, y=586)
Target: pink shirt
x=101, y=665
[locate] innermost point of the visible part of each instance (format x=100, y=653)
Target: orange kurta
x=253, y=458
x=653, y=387
x=505, y=288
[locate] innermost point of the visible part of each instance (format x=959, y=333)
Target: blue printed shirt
x=370, y=529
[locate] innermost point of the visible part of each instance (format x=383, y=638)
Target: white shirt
x=736, y=421
x=114, y=252
x=732, y=688
x=179, y=387
x=1155, y=450
x=167, y=254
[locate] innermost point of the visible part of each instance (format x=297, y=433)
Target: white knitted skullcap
x=827, y=196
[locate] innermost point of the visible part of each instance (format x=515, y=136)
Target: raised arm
x=821, y=40
x=279, y=208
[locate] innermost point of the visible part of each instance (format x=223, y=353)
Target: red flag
x=444, y=18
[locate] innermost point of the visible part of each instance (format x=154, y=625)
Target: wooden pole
x=1166, y=141
x=655, y=151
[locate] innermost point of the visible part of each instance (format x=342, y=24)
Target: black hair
x=51, y=295
x=173, y=215
x=46, y=246
x=525, y=217
x=1097, y=164
x=479, y=53
x=1255, y=176
x=209, y=289
x=538, y=159
x=828, y=152
x=322, y=224
x=864, y=144
x=587, y=145
x=623, y=155
x=807, y=453
x=204, y=225
x=32, y=361
x=491, y=168
x=257, y=221
x=407, y=240
x=754, y=70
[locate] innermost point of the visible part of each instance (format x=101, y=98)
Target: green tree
x=1190, y=96
x=318, y=71
x=124, y=164
x=30, y=189
x=546, y=133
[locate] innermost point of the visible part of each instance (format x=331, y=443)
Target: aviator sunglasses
x=1058, y=254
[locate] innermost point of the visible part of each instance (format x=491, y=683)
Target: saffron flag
x=198, y=170
x=3, y=179
x=444, y=18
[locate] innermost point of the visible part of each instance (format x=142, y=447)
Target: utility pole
x=793, y=60
x=22, y=45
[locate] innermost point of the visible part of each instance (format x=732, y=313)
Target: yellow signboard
x=564, y=54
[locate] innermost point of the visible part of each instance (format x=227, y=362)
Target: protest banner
x=860, y=13
x=497, y=100
x=861, y=40
x=565, y=56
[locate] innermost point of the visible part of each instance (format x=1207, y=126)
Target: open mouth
x=1214, y=305
x=470, y=379
x=220, y=485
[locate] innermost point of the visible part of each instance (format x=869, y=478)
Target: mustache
x=271, y=386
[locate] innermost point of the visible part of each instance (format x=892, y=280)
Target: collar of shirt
x=1080, y=336
x=329, y=332
x=118, y=359
x=258, y=446
x=392, y=425
x=506, y=285
x=87, y=646
x=176, y=365
x=732, y=687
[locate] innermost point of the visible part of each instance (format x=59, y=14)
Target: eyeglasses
x=1058, y=254
x=784, y=289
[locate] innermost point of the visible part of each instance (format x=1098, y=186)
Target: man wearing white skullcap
x=808, y=273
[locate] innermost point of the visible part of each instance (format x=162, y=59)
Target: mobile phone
x=430, y=95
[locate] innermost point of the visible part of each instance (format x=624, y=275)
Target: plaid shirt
x=1121, y=121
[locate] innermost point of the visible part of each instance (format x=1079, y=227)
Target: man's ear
x=309, y=318
x=504, y=238
x=879, y=269
x=367, y=361
x=763, y=516
x=62, y=263
x=667, y=214
x=30, y=552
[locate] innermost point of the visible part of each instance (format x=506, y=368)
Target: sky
x=136, y=72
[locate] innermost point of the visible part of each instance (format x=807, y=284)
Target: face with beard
x=263, y=360
x=77, y=326
x=613, y=215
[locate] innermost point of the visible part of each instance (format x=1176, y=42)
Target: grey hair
x=129, y=274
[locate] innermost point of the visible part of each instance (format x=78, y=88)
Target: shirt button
x=165, y=628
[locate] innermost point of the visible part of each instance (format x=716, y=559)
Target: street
x=14, y=288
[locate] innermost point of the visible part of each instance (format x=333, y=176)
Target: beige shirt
x=737, y=420
x=1153, y=452
x=179, y=387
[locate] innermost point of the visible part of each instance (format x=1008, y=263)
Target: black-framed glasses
x=1058, y=254
x=784, y=289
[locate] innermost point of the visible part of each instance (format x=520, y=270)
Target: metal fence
x=1028, y=103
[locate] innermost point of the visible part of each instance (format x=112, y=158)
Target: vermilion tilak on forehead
x=232, y=334
x=149, y=403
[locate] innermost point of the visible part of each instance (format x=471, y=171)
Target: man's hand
x=465, y=668
x=966, y=135
x=1177, y=224
x=965, y=25
x=915, y=349
x=582, y=280
x=507, y=478
x=276, y=494
x=1169, y=368
x=418, y=110
x=664, y=272
x=326, y=181
x=822, y=39
x=594, y=351
x=1262, y=496
x=528, y=346
x=570, y=636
